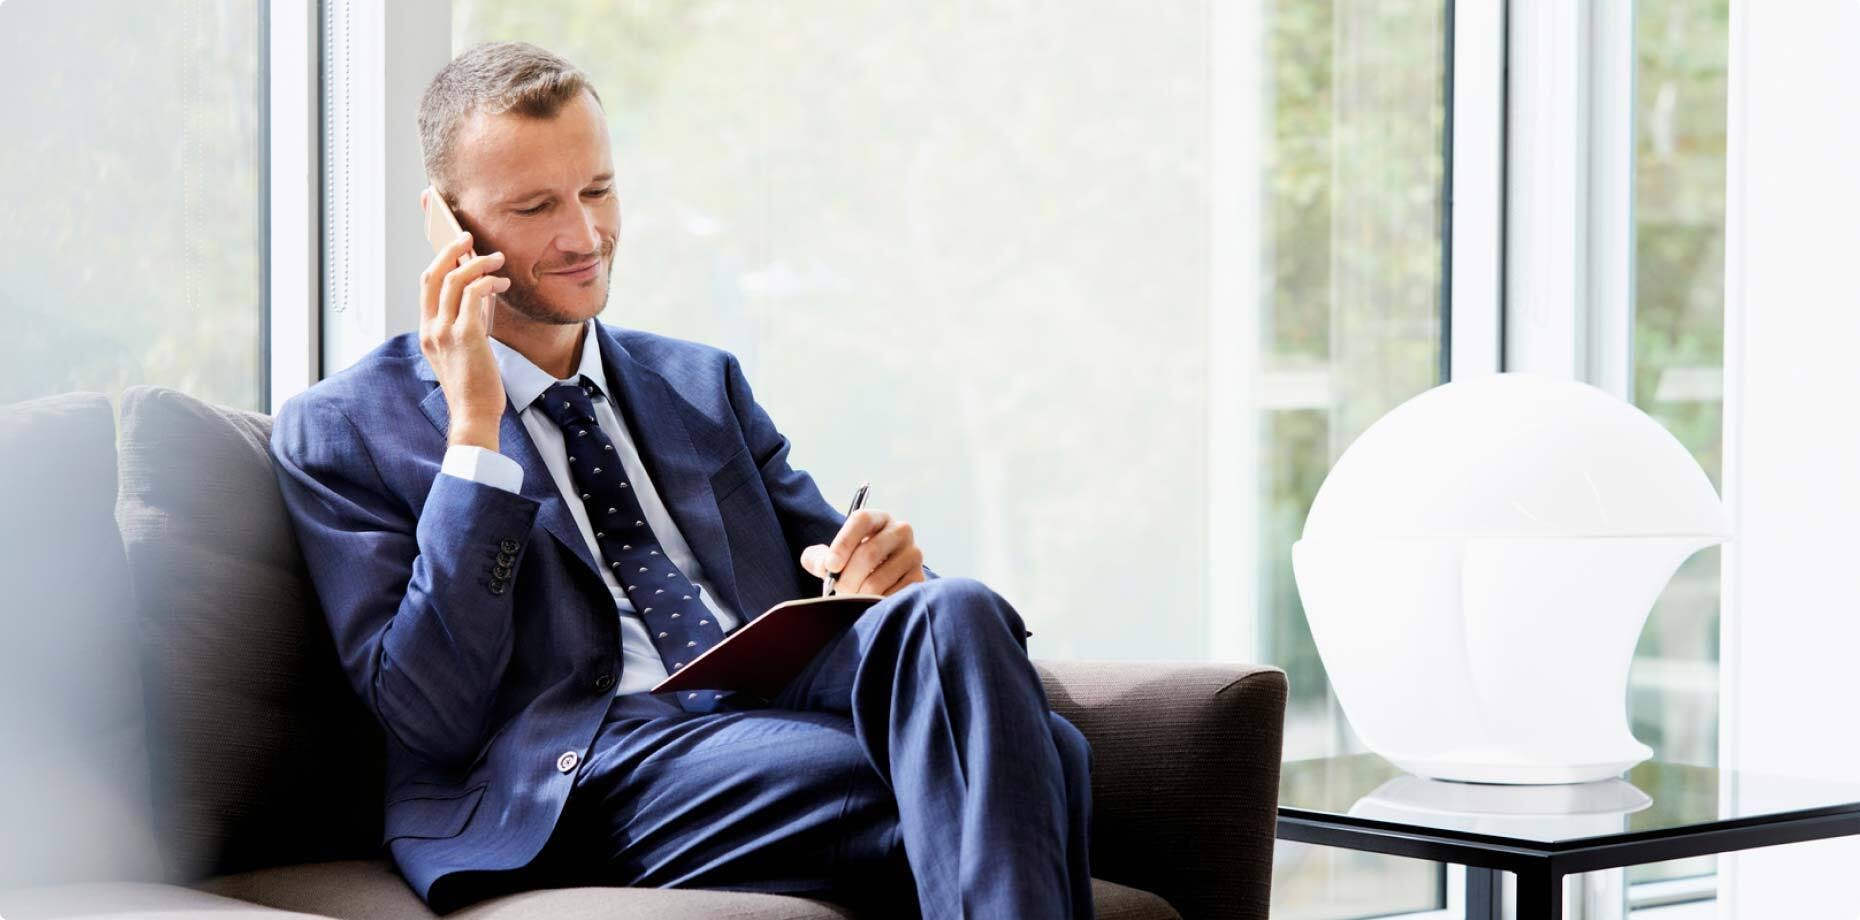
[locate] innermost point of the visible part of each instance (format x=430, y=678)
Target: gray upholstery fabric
x=130, y=901
x=1185, y=776
x=374, y=891
x=357, y=890
x=74, y=797
x=262, y=753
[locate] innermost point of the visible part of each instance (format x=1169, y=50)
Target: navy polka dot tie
x=681, y=626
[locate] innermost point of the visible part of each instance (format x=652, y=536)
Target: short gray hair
x=494, y=77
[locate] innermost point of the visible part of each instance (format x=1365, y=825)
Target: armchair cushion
x=131, y=901
x=354, y=890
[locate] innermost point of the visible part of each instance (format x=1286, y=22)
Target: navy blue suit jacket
x=479, y=692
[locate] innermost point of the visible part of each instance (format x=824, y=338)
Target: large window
x=983, y=255
x=962, y=254
x=130, y=198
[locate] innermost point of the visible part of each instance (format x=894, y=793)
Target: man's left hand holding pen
x=873, y=553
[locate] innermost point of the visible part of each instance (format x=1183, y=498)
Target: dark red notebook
x=765, y=654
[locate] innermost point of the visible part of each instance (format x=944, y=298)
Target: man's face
x=541, y=192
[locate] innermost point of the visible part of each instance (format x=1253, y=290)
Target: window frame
x=1476, y=151
x=370, y=167
x=290, y=112
x=1569, y=203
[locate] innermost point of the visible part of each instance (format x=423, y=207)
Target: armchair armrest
x=1185, y=776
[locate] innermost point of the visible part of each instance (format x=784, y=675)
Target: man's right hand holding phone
x=454, y=339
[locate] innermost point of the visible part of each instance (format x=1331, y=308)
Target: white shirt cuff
x=469, y=461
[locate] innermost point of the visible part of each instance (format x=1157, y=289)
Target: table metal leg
x=1485, y=895
x=1540, y=895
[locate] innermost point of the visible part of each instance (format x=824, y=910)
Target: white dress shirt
x=641, y=666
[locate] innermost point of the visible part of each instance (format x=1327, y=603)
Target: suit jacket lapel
x=513, y=441
x=655, y=414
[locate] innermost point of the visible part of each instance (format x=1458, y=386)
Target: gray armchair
x=176, y=735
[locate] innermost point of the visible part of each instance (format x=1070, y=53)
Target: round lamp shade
x=1477, y=567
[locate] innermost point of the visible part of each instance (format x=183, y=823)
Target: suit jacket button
x=566, y=763
x=497, y=587
x=501, y=572
x=604, y=683
x=508, y=545
x=505, y=558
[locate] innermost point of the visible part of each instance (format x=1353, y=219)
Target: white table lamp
x=1478, y=565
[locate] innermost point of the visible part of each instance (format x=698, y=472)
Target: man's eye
x=597, y=193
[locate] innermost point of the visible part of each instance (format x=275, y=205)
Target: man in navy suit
x=515, y=536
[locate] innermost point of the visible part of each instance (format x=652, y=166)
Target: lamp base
x=1515, y=773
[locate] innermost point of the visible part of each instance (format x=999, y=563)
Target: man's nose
x=585, y=235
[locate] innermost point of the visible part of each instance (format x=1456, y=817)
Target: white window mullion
x=1570, y=232
x=375, y=247
x=1546, y=177
x=1730, y=578
x=1477, y=211
x=1234, y=430
x=1610, y=198
x=293, y=206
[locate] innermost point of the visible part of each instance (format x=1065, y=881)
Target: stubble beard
x=524, y=299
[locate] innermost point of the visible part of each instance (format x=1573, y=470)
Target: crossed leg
x=917, y=751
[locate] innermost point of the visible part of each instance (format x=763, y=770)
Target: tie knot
x=570, y=403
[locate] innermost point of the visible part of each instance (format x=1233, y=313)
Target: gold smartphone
x=442, y=227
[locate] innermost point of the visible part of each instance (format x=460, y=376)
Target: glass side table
x=1659, y=811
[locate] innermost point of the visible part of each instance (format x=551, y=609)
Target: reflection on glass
x=1652, y=797
x=129, y=199
x=1531, y=812
x=1682, y=48
x=965, y=252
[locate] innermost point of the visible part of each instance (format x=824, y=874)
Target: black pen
x=826, y=584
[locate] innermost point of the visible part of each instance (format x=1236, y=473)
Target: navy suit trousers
x=913, y=769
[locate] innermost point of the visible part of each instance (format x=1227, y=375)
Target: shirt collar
x=524, y=381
